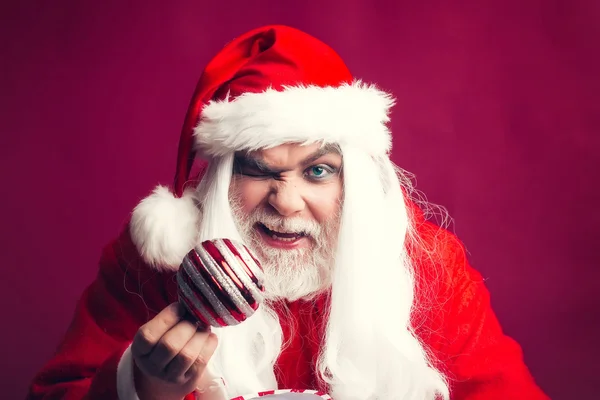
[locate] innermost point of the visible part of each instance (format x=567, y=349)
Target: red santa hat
x=270, y=86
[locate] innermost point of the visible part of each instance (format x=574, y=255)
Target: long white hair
x=370, y=349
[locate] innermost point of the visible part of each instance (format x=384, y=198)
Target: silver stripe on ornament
x=207, y=291
x=189, y=294
x=225, y=281
x=254, y=267
x=235, y=264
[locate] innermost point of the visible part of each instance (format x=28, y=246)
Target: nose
x=286, y=199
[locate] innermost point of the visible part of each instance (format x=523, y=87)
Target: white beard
x=291, y=274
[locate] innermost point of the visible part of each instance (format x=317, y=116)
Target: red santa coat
x=458, y=325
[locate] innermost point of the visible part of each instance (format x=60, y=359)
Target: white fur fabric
x=355, y=114
x=164, y=228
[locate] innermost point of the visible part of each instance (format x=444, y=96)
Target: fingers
x=171, y=344
x=149, y=334
x=171, y=352
x=199, y=365
x=192, y=359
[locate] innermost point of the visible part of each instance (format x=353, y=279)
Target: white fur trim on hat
x=355, y=114
x=164, y=228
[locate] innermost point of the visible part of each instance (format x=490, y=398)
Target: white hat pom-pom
x=164, y=228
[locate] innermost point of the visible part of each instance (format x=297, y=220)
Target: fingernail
x=179, y=309
x=202, y=327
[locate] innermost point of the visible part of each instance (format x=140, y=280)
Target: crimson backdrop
x=498, y=115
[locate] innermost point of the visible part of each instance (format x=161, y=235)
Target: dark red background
x=498, y=116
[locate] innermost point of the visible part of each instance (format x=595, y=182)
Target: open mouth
x=282, y=236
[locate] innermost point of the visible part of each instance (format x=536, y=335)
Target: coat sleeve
x=483, y=362
x=93, y=359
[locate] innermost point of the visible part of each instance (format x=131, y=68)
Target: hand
x=170, y=354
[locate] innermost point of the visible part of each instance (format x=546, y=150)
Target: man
x=366, y=298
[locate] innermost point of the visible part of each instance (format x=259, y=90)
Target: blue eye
x=319, y=171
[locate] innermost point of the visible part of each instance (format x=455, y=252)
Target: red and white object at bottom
x=285, y=394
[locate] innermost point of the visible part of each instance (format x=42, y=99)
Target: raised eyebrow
x=327, y=149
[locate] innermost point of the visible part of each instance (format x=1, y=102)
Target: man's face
x=286, y=203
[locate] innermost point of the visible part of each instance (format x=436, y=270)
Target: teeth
x=274, y=236
x=269, y=227
x=273, y=229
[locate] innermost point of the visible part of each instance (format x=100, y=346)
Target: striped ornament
x=286, y=394
x=220, y=282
